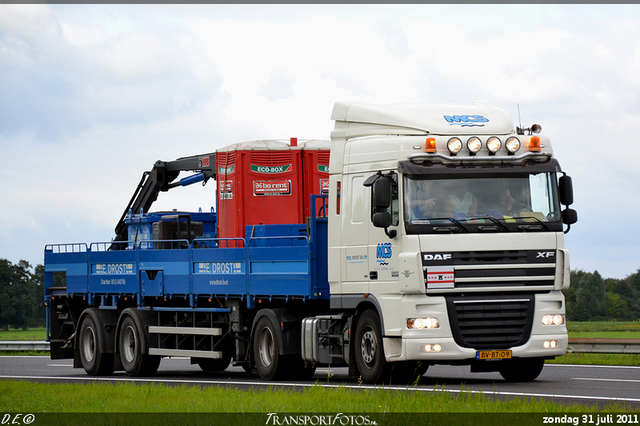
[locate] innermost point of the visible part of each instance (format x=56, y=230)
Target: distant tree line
x=592, y=298
x=21, y=295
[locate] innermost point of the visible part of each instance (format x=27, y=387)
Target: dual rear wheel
x=131, y=345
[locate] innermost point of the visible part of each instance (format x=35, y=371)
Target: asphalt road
x=590, y=385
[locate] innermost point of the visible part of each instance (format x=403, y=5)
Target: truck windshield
x=499, y=202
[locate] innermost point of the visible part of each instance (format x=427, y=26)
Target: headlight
x=556, y=319
x=454, y=145
x=494, y=144
x=513, y=145
x=474, y=145
x=422, y=323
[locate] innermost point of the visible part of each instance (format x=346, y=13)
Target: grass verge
x=20, y=397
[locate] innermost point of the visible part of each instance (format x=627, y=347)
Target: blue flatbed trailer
x=275, y=271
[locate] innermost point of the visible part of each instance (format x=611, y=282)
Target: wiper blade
x=457, y=222
x=494, y=220
x=524, y=227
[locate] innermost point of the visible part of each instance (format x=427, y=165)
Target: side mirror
x=383, y=220
x=566, y=190
x=569, y=216
x=382, y=193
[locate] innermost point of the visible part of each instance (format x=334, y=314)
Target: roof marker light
x=474, y=144
x=454, y=146
x=513, y=145
x=494, y=144
x=431, y=145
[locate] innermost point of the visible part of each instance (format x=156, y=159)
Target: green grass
x=604, y=326
x=604, y=334
x=597, y=359
x=20, y=397
x=32, y=334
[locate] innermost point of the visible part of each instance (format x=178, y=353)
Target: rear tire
x=133, y=349
x=266, y=352
x=95, y=361
x=522, y=370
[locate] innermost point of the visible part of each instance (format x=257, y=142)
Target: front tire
x=369, y=350
x=95, y=361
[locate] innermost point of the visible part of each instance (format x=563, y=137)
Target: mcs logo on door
x=383, y=253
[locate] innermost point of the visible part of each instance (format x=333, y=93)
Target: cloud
x=93, y=95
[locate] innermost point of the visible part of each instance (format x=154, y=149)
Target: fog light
x=454, y=146
x=556, y=319
x=422, y=323
x=513, y=145
x=474, y=145
x=494, y=144
x=550, y=344
x=432, y=347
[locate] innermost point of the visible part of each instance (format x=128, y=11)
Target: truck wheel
x=95, y=361
x=522, y=370
x=266, y=350
x=131, y=345
x=369, y=351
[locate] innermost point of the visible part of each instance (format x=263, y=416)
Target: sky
x=92, y=95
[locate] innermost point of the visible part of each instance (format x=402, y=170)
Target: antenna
x=519, y=129
x=536, y=128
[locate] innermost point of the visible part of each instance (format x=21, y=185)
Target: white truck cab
x=446, y=234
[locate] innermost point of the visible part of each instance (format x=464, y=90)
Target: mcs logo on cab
x=383, y=253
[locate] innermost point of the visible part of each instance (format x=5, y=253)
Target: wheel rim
x=130, y=344
x=266, y=347
x=89, y=344
x=368, y=346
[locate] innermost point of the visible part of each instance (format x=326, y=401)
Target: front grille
x=492, y=322
x=517, y=268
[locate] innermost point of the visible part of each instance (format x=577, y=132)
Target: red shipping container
x=259, y=182
x=315, y=165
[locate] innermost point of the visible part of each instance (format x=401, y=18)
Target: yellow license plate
x=493, y=354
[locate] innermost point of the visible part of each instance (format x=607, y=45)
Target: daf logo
x=545, y=254
x=437, y=256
